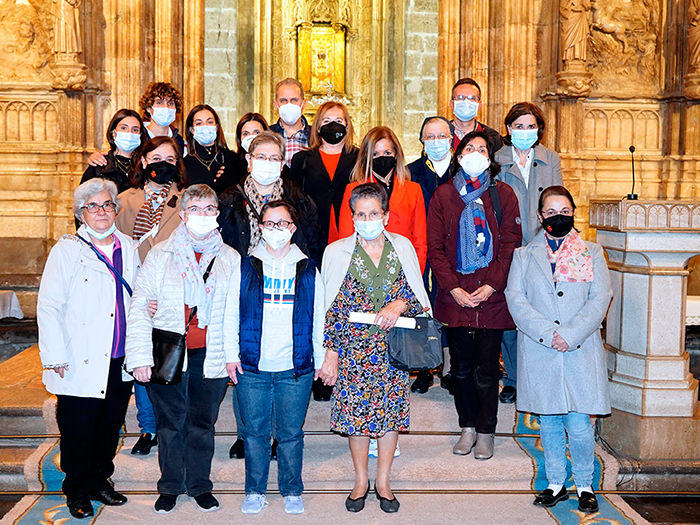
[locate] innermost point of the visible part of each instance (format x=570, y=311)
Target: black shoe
x=446, y=382
x=357, y=504
x=165, y=503
x=273, y=450
x=507, y=395
x=423, y=382
x=320, y=391
x=80, y=508
x=547, y=498
x=144, y=445
x=108, y=496
x=206, y=502
x=587, y=502
x=387, y=505
x=237, y=450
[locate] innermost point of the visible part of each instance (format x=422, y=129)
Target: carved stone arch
x=621, y=131
x=647, y=126
x=680, y=216
x=323, y=11
x=17, y=114
x=44, y=122
x=658, y=216
x=596, y=125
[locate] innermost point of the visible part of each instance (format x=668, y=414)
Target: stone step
x=12, y=468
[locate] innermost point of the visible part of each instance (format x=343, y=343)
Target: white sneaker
x=373, y=449
x=254, y=503
x=293, y=505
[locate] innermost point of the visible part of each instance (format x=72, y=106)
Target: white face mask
x=474, y=164
x=103, y=235
x=201, y=225
x=205, y=135
x=465, y=110
x=290, y=113
x=163, y=116
x=265, y=172
x=369, y=230
x=127, y=142
x=245, y=141
x=275, y=238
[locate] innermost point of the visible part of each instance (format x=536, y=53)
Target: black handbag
x=416, y=349
x=169, y=349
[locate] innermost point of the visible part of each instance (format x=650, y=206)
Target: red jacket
x=443, y=233
x=406, y=216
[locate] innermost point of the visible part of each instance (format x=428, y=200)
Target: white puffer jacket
x=160, y=280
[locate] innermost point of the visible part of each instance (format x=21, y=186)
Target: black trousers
x=474, y=354
x=89, y=430
x=185, y=417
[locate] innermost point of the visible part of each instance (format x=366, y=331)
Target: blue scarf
x=475, y=249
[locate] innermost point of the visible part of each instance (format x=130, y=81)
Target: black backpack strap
x=496, y=201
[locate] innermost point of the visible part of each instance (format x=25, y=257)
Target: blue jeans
x=510, y=357
x=553, y=431
x=240, y=428
x=144, y=409
x=261, y=397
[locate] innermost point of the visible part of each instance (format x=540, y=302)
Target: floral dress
x=370, y=397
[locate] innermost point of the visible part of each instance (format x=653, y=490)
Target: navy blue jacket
x=424, y=175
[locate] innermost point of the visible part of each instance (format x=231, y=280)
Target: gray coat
x=549, y=381
x=545, y=171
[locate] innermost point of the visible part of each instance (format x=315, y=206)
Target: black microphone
x=632, y=196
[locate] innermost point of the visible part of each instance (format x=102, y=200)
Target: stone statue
x=69, y=72
x=575, y=28
x=23, y=43
x=693, y=33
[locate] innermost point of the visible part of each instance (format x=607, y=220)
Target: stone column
x=575, y=26
x=654, y=396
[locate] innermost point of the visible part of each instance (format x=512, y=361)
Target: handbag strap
x=193, y=311
x=102, y=258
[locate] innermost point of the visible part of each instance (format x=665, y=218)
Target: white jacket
x=75, y=314
x=160, y=280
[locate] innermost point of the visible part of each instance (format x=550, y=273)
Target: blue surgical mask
x=205, y=135
x=436, y=149
x=465, y=110
x=369, y=230
x=127, y=142
x=523, y=138
x=163, y=116
x=103, y=235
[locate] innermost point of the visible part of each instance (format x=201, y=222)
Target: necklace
x=208, y=150
x=122, y=166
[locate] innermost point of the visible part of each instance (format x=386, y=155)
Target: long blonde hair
x=315, y=139
x=363, y=167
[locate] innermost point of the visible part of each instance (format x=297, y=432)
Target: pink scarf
x=574, y=263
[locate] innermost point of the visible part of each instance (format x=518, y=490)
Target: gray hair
x=267, y=137
x=88, y=189
x=197, y=192
x=369, y=190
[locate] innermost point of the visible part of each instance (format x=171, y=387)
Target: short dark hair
x=369, y=190
x=494, y=168
x=559, y=191
x=525, y=108
x=138, y=178
x=248, y=117
x=281, y=203
x=116, y=119
x=466, y=81
x=189, y=124
x=160, y=90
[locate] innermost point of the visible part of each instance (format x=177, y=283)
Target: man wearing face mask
x=465, y=104
x=292, y=125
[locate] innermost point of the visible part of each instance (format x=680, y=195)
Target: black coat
x=110, y=171
x=235, y=223
x=426, y=177
x=197, y=173
x=309, y=172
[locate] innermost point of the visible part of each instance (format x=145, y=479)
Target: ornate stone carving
x=692, y=79
x=69, y=72
x=574, y=80
x=614, y=126
x=24, y=41
x=645, y=215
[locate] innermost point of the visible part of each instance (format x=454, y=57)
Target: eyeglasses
x=433, y=136
x=280, y=225
x=373, y=216
x=470, y=98
x=551, y=213
x=471, y=148
x=273, y=158
x=207, y=210
x=107, y=207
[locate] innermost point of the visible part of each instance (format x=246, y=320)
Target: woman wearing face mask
x=281, y=351
x=241, y=204
x=558, y=294
x=174, y=275
x=249, y=126
x=209, y=160
x=381, y=160
x=377, y=272
x=473, y=228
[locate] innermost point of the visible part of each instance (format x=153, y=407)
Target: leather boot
x=484, y=446
x=466, y=442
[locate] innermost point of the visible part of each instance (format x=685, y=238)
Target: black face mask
x=333, y=132
x=558, y=225
x=160, y=172
x=382, y=166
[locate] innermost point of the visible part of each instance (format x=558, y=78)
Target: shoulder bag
x=416, y=349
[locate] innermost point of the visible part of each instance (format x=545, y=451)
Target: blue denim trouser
x=144, y=409
x=510, y=357
x=261, y=396
x=553, y=431
x=240, y=428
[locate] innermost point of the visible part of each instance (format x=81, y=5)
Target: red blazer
x=406, y=216
x=443, y=233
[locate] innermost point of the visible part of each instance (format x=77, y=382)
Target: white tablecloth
x=9, y=305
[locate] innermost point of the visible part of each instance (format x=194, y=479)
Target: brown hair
x=525, y=108
x=189, y=124
x=137, y=176
x=267, y=137
x=281, y=203
x=552, y=191
x=363, y=167
x=494, y=167
x=465, y=82
x=248, y=117
x=289, y=81
x=160, y=90
x=315, y=140
x=116, y=119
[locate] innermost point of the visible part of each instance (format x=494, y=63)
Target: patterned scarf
x=197, y=292
x=573, y=261
x=474, y=249
x=253, y=205
x=152, y=210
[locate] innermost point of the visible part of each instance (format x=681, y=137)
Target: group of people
x=224, y=248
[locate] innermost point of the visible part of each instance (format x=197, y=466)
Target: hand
x=559, y=344
x=152, y=308
x=97, y=159
x=328, y=373
x=462, y=298
x=482, y=293
x=60, y=370
x=142, y=374
x=233, y=369
x=387, y=316
x=219, y=173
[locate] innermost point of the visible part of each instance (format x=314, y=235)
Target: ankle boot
x=466, y=442
x=484, y=446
